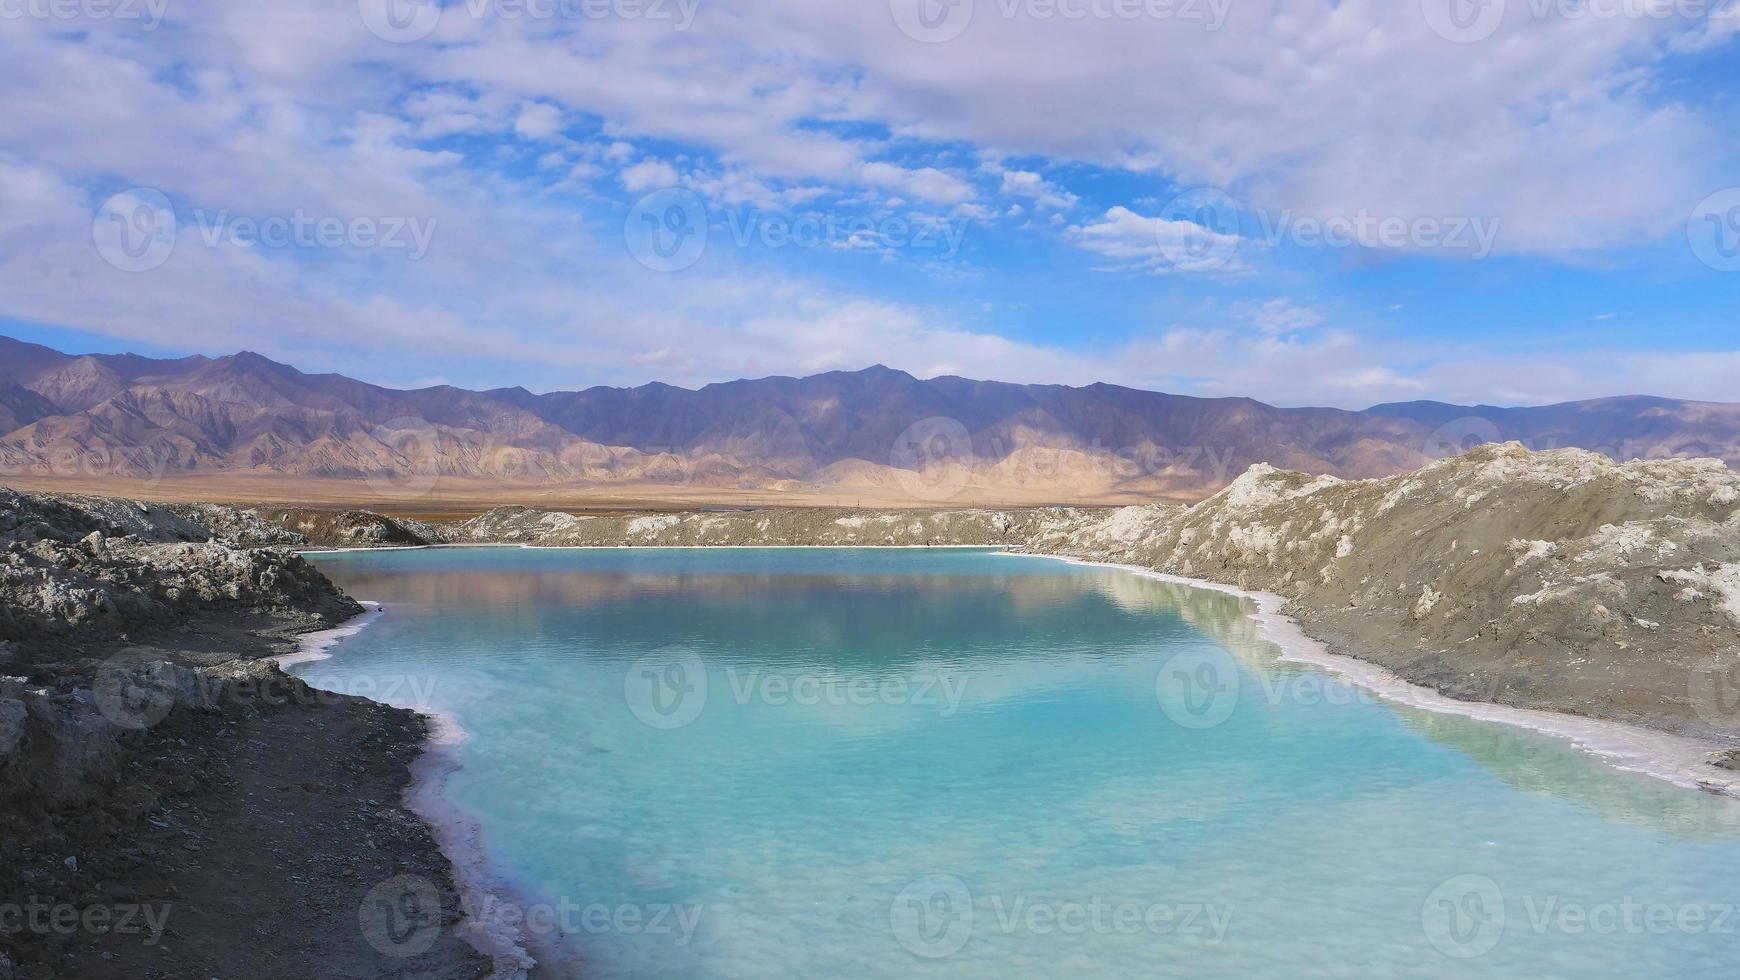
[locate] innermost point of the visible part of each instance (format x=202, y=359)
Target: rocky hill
x=1558, y=580
x=79, y=573
x=937, y=442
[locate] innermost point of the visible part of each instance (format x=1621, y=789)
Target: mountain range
x=70, y=418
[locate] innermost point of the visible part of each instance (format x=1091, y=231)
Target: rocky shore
x=172, y=804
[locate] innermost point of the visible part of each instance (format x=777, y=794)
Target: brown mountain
x=878, y=431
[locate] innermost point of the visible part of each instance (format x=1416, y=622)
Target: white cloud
x=1025, y=183
x=538, y=121
x=268, y=111
x=648, y=174
x=924, y=183
x=1159, y=244
x=1279, y=316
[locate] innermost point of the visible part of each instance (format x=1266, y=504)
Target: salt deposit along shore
x=1682, y=760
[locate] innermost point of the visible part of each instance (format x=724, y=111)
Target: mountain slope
x=936, y=440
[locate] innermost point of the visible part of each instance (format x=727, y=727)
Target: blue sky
x=1305, y=202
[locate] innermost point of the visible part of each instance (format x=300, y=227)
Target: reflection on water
x=822, y=752
x=1524, y=760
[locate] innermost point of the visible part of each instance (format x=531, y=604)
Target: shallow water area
x=822, y=762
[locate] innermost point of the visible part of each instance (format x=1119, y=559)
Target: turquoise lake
x=953, y=763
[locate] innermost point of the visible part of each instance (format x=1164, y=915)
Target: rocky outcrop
x=354, y=528
x=822, y=526
x=83, y=572
x=60, y=740
x=84, y=580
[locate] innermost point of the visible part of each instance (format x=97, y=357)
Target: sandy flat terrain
x=453, y=497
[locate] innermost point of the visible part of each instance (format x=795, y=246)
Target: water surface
x=859, y=763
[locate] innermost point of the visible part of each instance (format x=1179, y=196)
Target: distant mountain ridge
x=943, y=438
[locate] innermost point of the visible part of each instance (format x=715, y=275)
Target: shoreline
x=460, y=837
x=519, y=955
x=457, y=834
x=313, y=647
x=658, y=547
x=1677, y=759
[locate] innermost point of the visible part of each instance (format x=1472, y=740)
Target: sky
x=1302, y=201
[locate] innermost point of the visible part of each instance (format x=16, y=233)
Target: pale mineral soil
x=460, y=497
